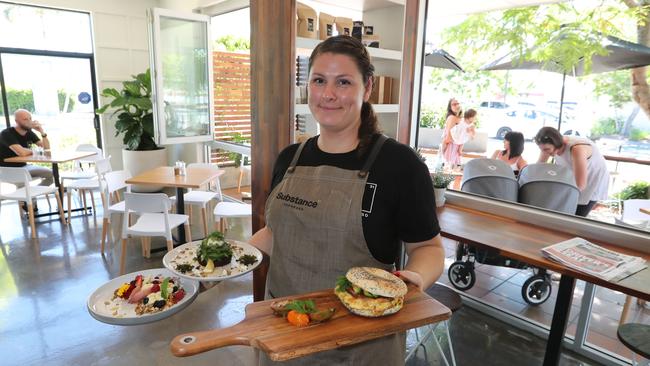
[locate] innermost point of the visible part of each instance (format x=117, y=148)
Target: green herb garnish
x=184, y=268
x=302, y=306
x=342, y=284
x=163, y=288
x=247, y=259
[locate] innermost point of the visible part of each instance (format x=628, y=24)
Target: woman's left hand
x=410, y=276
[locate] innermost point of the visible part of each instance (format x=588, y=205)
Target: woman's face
x=548, y=149
x=337, y=92
x=455, y=106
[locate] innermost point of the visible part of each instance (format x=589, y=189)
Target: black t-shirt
x=398, y=203
x=10, y=137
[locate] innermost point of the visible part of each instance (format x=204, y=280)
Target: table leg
x=180, y=209
x=57, y=180
x=559, y=322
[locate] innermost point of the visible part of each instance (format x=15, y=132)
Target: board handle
x=190, y=344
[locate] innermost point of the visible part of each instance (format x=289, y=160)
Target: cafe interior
x=164, y=119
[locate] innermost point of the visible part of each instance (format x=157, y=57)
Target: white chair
x=113, y=183
x=154, y=220
x=202, y=198
x=243, y=169
x=227, y=210
x=77, y=171
x=21, y=176
x=102, y=166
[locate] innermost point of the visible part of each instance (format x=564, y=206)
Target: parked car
x=494, y=105
x=525, y=120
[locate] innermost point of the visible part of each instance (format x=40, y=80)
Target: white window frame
x=160, y=124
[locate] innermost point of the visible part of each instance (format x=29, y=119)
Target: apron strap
x=373, y=155
x=296, y=156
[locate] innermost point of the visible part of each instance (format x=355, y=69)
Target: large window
x=598, y=106
x=39, y=28
x=47, y=68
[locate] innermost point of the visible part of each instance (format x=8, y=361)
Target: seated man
x=15, y=141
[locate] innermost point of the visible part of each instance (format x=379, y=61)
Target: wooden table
x=54, y=158
x=164, y=176
x=524, y=242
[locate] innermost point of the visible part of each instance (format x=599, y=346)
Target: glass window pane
x=24, y=26
x=184, y=57
x=58, y=93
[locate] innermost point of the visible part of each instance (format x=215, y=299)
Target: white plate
x=99, y=310
x=175, y=257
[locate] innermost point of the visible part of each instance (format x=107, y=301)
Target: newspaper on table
x=593, y=259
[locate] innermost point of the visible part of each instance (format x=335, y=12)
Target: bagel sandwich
x=371, y=292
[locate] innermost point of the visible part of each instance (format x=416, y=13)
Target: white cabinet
x=387, y=18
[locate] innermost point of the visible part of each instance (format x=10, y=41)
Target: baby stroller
x=494, y=178
x=551, y=187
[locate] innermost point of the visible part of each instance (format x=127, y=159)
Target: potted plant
x=440, y=182
x=134, y=110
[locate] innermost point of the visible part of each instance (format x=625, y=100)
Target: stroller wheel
x=536, y=289
x=461, y=275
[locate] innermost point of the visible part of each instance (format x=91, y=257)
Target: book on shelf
x=592, y=259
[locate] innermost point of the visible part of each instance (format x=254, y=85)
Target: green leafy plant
x=605, y=127
x=441, y=179
x=639, y=135
x=432, y=118
x=134, y=112
x=238, y=138
x=636, y=190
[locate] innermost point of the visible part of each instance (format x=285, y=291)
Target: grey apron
x=314, y=214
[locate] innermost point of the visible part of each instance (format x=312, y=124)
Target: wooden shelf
x=377, y=53
x=379, y=108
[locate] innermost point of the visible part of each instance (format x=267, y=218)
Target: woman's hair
x=549, y=135
x=450, y=112
x=516, y=140
x=470, y=113
x=353, y=48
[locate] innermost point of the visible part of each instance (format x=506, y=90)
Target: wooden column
x=407, y=79
x=273, y=59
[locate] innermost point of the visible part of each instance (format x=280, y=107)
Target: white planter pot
x=439, y=194
x=137, y=162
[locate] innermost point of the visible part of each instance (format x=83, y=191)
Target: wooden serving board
x=263, y=330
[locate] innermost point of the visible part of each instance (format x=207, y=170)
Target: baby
x=465, y=130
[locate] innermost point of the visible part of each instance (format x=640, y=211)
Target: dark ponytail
x=352, y=47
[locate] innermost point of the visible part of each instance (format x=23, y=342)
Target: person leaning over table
x=347, y=198
x=585, y=160
x=15, y=141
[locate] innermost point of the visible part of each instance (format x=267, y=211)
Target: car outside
x=525, y=120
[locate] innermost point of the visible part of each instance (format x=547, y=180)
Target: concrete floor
x=44, y=284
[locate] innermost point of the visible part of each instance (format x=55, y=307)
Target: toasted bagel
x=377, y=281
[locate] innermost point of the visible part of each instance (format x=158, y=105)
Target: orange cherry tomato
x=297, y=319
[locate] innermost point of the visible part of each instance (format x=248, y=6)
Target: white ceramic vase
x=136, y=162
x=439, y=194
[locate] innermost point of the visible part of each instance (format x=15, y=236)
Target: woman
x=583, y=158
x=451, y=152
x=513, y=147
x=347, y=198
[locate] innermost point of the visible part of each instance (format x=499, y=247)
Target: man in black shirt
x=15, y=141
